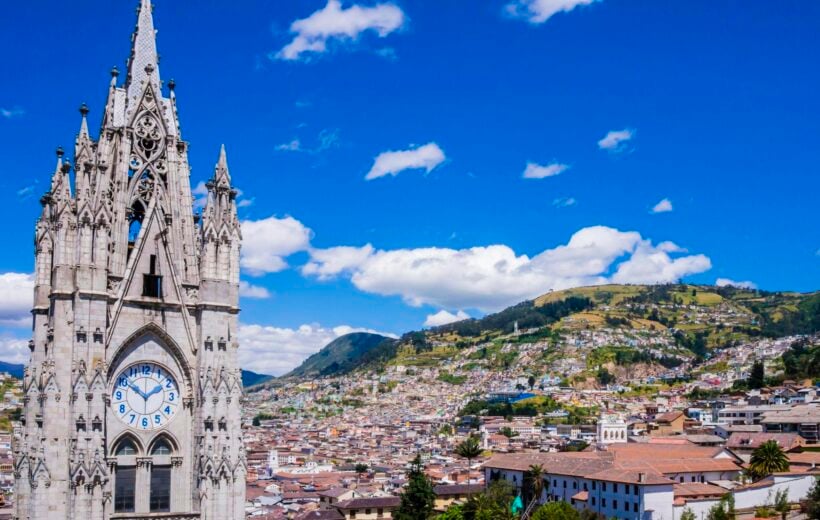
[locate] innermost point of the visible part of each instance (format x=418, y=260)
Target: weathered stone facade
x=126, y=275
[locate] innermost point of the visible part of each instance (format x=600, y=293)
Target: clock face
x=145, y=397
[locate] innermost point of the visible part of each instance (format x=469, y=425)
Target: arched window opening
x=161, y=447
x=125, y=477
x=126, y=447
x=160, y=490
x=135, y=216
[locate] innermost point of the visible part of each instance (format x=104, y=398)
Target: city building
x=132, y=395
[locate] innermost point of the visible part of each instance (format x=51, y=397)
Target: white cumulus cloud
x=277, y=350
x=664, y=206
x=616, y=140
x=16, y=299
x=426, y=157
x=327, y=263
x=14, y=350
x=492, y=277
x=726, y=282
x=267, y=242
x=539, y=11
x=255, y=292
x=443, y=317
x=334, y=23
x=537, y=171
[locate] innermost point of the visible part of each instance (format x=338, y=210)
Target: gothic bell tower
x=133, y=392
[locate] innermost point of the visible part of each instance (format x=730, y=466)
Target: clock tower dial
x=145, y=396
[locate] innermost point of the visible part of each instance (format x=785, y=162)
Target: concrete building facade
x=133, y=393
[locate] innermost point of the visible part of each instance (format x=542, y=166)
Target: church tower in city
x=133, y=392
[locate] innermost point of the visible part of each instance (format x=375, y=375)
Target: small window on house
x=603, y=486
x=603, y=502
x=634, y=489
x=635, y=507
x=593, y=501
x=594, y=485
x=614, y=504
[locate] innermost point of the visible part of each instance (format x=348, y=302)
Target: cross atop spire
x=143, y=64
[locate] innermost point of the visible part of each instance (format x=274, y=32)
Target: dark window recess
x=152, y=282
x=160, y=489
x=124, y=485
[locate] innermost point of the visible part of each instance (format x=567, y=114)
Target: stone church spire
x=143, y=65
x=133, y=389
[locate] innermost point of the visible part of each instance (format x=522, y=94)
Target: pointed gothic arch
x=165, y=437
x=164, y=339
x=127, y=437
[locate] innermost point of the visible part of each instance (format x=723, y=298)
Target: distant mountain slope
x=700, y=318
x=13, y=369
x=346, y=353
x=252, y=378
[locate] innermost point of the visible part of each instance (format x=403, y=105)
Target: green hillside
x=252, y=378
x=345, y=354
x=681, y=321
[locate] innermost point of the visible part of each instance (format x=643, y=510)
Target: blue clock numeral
x=169, y=384
x=123, y=381
x=157, y=418
x=167, y=410
x=118, y=395
x=171, y=397
x=146, y=370
x=122, y=408
x=145, y=422
x=132, y=418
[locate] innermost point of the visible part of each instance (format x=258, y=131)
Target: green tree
x=813, y=502
x=256, y=421
x=418, y=497
x=533, y=483
x=494, y=504
x=687, y=514
x=723, y=510
x=361, y=468
x=469, y=448
x=531, y=381
x=781, y=503
x=559, y=510
x=453, y=512
x=604, y=377
x=757, y=379
x=508, y=432
x=768, y=458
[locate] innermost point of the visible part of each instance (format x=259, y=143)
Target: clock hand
x=156, y=389
x=137, y=390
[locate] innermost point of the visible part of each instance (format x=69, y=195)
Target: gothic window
x=160, y=489
x=126, y=447
x=152, y=282
x=124, y=485
x=135, y=216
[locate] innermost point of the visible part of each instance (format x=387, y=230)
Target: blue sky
x=710, y=106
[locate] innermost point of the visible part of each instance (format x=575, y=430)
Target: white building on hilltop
x=133, y=390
